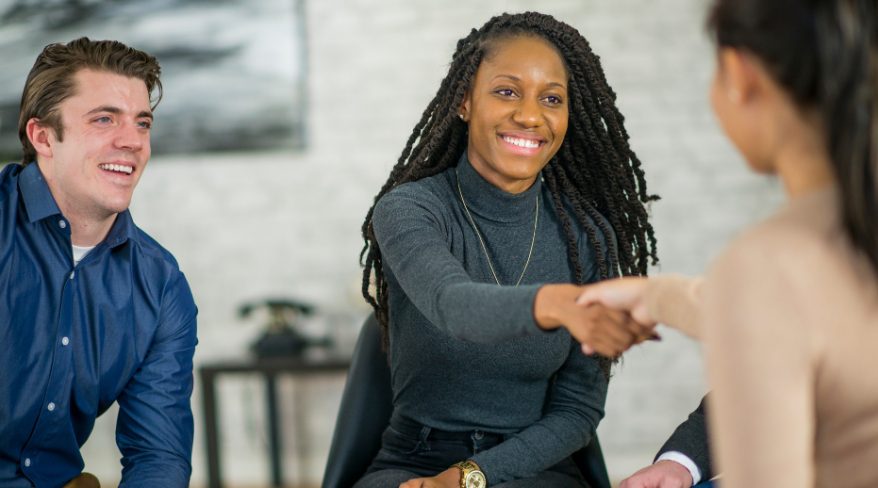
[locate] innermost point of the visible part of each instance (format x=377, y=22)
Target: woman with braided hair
x=516, y=187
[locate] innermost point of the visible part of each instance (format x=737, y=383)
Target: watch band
x=471, y=475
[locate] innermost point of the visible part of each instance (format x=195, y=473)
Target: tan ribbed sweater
x=789, y=319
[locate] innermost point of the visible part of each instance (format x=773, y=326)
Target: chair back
x=366, y=406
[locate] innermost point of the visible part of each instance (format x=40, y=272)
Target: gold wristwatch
x=471, y=475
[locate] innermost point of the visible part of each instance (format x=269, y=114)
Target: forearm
x=480, y=312
x=554, y=303
x=532, y=451
x=154, y=428
x=151, y=469
x=574, y=409
x=673, y=300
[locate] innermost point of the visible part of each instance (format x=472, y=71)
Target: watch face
x=475, y=479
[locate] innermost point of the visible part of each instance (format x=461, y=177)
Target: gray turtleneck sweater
x=466, y=353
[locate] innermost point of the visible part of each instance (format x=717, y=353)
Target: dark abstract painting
x=233, y=70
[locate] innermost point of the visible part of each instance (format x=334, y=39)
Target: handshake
x=607, y=318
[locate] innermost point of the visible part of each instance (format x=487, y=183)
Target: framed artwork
x=233, y=71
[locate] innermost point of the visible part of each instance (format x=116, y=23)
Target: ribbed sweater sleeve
x=413, y=240
x=575, y=407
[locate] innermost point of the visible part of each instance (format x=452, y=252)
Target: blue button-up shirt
x=118, y=326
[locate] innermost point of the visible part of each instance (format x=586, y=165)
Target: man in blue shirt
x=92, y=310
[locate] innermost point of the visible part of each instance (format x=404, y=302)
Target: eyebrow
x=515, y=78
x=117, y=110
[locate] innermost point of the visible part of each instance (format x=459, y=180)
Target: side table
x=270, y=369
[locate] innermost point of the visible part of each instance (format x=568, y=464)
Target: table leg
x=300, y=424
x=274, y=430
x=211, y=435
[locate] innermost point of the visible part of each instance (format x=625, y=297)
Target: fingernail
x=587, y=350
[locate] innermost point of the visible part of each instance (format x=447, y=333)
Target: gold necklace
x=482, y=241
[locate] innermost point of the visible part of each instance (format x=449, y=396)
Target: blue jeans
x=410, y=450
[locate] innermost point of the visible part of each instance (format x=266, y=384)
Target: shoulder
x=154, y=252
x=785, y=246
x=429, y=196
x=772, y=274
x=9, y=185
x=603, y=237
x=9, y=180
x=436, y=188
x=10, y=171
x=161, y=267
x=594, y=219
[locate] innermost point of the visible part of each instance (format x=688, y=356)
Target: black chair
x=366, y=406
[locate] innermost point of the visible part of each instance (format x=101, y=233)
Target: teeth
x=522, y=142
x=119, y=168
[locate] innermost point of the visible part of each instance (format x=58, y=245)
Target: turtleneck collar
x=491, y=203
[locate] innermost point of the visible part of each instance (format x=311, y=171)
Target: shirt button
x=62, y=224
x=72, y=274
x=51, y=406
x=26, y=462
x=65, y=341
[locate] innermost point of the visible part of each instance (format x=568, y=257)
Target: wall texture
x=245, y=226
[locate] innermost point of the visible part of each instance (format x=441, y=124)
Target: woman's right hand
x=627, y=294
x=598, y=328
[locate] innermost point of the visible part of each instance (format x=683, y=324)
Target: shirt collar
x=122, y=230
x=39, y=204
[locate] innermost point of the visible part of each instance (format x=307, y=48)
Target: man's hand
x=663, y=474
x=598, y=328
x=450, y=478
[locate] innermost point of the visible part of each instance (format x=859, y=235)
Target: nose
x=529, y=113
x=131, y=137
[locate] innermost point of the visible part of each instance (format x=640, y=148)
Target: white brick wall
x=248, y=225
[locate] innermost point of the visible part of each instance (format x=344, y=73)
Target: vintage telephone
x=280, y=337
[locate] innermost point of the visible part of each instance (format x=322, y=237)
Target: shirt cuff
x=680, y=458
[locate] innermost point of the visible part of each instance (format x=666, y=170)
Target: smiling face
x=517, y=112
x=93, y=169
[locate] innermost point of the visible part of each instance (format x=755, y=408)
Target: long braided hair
x=595, y=171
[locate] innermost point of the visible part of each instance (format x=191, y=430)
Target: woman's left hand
x=450, y=478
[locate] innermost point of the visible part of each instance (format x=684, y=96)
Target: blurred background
x=281, y=120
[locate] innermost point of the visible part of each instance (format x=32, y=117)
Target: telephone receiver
x=281, y=337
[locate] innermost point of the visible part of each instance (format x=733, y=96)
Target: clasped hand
x=606, y=318
x=450, y=478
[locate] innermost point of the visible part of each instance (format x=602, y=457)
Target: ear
x=464, y=111
x=740, y=74
x=41, y=137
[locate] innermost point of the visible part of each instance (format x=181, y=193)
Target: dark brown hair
x=50, y=81
x=824, y=53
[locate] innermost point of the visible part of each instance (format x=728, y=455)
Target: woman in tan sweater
x=789, y=312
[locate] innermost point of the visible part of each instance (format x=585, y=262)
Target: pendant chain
x=482, y=241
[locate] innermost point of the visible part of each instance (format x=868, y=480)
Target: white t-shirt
x=79, y=252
